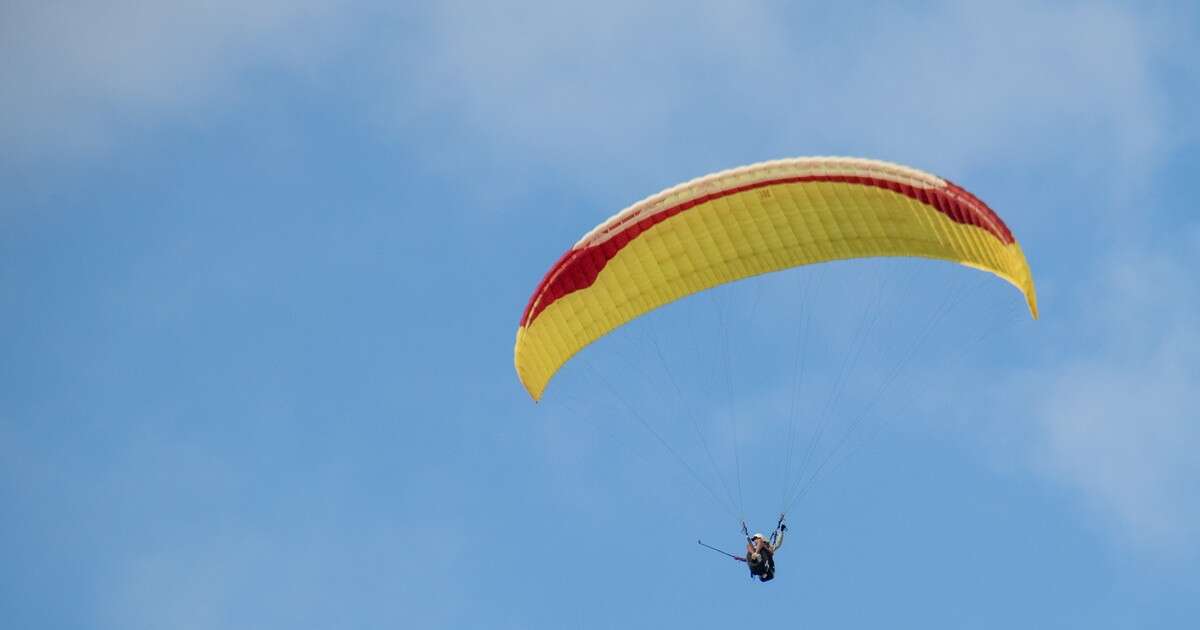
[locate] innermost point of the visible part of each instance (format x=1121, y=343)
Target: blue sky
x=261, y=269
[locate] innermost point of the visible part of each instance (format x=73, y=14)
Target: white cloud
x=627, y=85
x=1105, y=408
x=80, y=75
x=295, y=576
x=1124, y=434
x=1120, y=425
x=949, y=88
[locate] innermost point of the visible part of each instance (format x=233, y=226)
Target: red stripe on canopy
x=578, y=268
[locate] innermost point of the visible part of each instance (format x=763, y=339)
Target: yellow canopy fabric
x=747, y=221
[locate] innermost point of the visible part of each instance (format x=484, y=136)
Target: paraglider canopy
x=748, y=221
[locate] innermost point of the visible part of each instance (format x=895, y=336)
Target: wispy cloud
x=1119, y=424
x=299, y=577
x=79, y=76
x=947, y=87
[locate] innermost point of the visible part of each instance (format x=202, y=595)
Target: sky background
x=262, y=264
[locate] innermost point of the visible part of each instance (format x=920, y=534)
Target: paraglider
x=760, y=551
x=760, y=555
x=747, y=221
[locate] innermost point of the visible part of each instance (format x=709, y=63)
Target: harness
x=764, y=568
